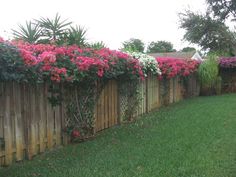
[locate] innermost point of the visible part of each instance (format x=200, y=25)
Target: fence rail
x=29, y=125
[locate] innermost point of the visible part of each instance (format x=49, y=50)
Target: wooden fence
x=228, y=80
x=106, y=109
x=29, y=125
x=155, y=93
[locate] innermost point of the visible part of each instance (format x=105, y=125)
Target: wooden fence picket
x=7, y=128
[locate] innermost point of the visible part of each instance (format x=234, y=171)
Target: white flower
x=149, y=63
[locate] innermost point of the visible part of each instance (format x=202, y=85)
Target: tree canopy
x=29, y=32
x=46, y=30
x=133, y=45
x=188, y=49
x=53, y=29
x=160, y=46
x=209, y=33
x=222, y=8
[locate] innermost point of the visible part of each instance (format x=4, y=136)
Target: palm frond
x=53, y=28
x=77, y=35
x=97, y=45
x=30, y=32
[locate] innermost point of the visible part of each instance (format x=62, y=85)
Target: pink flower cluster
x=57, y=72
x=73, y=64
x=1, y=39
x=69, y=62
x=228, y=62
x=171, y=67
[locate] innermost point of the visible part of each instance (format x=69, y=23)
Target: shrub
x=228, y=62
x=172, y=67
x=67, y=63
x=11, y=65
x=208, y=74
x=148, y=63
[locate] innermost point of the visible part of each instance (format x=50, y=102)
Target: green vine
x=80, y=101
x=129, y=92
x=165, y=91
x=55, y=97
x=2, y=143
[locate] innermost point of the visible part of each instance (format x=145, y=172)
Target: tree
x=160, y=46
x=75, y=35
x=134, y=45
x=188, y=49
x=29, y=33
x=222, y=8
x=97, y=45
x=208, y=74
x=53, y=29
x=210, y=34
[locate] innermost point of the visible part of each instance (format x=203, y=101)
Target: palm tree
x=53, y=29
x=97, y=45
x=76, y=35
x=29, y=33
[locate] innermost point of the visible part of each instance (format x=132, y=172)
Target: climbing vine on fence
x=165, y=91
x=80, y=101
x=129, y=98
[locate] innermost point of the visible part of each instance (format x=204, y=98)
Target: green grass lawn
x=193, y=138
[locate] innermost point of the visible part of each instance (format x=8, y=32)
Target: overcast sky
x=111, y=21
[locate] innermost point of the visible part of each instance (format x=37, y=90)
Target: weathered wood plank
x=37, y=117
x=7, y=127
x=41, y=115
x=65, y=139
x=32, y=117
x=106, y=110
x=156, y=92
x=154, y=98
x=103, y=110
x=108, y=94
x=114, y=114
x=96, y=111
x=145, y=96
x=50, y=119
x=116, y=103
x=18, y=122
x=111, y=104
x=171, y=91
x=25, y=115
x=28, y=116
x=58, y=129
x=147, y=91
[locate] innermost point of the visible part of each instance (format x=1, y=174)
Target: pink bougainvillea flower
x=29, y=58
x=228, y=62
x=1, y=39
x=46, y=68
x=63, y=63
x=48, y=57
x=172, y=67
x=100, y=72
